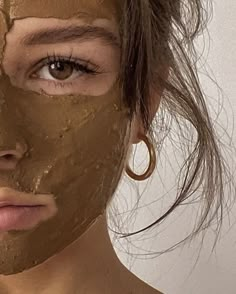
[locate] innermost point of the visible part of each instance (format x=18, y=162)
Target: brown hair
x=160, y=33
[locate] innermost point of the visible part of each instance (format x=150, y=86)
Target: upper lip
x=11, y=197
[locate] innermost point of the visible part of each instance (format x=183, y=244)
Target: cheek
x=87, y=156
x=86, y=174
x=79, y=146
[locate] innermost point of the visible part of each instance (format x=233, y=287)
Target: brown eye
x=61, y=70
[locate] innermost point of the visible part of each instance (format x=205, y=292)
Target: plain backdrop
x=195, y=267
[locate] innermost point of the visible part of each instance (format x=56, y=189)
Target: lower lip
x=20, y=217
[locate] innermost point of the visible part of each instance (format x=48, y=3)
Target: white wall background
x=184, y=271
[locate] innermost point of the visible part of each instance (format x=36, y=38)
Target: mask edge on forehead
x=53, y=9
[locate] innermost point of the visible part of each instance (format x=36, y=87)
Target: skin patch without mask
x=3, y=31
x=77, y=148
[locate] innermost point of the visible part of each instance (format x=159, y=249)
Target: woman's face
x=59, y=94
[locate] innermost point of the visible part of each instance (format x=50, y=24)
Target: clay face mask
x=77, y=143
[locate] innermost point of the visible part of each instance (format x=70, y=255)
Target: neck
x=86, y=266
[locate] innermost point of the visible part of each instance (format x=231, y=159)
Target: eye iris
x=61, y=70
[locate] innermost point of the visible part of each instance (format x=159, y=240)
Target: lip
x=24, y=211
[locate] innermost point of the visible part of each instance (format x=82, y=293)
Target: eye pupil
x=61, y=70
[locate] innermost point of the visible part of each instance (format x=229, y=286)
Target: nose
x=10, y=158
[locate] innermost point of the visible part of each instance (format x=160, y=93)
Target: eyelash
x=83, y=67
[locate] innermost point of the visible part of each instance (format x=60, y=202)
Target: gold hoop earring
x=152, y=163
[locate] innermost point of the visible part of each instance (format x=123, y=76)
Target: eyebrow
x=71, y=33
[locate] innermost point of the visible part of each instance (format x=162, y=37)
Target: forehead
x=61, y=8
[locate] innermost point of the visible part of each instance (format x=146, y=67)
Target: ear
x=137, y=125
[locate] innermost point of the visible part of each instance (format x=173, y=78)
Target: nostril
x=9, y=157
x=8, y=160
